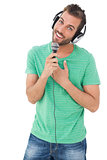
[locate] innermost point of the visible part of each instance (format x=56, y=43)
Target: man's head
x=69, y=24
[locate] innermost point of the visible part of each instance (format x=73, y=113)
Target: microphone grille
x=54, y=46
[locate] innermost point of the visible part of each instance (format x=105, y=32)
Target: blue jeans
x=38, y=149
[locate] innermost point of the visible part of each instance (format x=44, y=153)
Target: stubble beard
x=64, y=42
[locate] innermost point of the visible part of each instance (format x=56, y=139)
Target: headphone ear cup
x=55, y=20
x=76, y=38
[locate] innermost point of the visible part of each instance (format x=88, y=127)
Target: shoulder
x=83, y=53
x=41, y=47
x=39, y=52
x=36, y=50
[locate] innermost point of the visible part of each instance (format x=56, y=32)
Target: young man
x=58, y=130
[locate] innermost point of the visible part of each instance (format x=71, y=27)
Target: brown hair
x=76, y=11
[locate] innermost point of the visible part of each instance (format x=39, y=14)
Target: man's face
x=65, y=28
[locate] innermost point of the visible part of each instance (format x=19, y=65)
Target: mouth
x=59, y=36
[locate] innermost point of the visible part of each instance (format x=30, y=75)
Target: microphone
x=55, y=47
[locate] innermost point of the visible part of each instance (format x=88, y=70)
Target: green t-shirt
x=68, y=113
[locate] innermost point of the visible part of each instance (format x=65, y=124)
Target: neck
x=66, y=48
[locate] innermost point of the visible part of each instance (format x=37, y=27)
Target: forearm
x=85, y=100
x=36, y=92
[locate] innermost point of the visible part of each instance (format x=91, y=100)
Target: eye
x=69, y=28
x=60, y=21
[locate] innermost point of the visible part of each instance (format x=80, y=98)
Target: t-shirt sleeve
x=91, y=76
x=31, y=67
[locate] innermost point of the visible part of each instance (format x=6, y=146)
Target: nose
x=61, y=29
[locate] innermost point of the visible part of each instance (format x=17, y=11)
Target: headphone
x=77, y=36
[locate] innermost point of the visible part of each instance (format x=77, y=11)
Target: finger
x=52, y=54
x=54, y=64
x=54, y=60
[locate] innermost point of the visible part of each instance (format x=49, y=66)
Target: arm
x=89, y=99
x=35, y=87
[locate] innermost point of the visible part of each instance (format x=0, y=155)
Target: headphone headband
x=57, y=14
x=77, y=36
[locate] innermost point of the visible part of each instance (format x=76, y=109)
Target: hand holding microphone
x=51, y=63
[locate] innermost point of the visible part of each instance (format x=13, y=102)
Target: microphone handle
x=54, y=51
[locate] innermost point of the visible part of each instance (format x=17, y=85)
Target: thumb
x=65, y=65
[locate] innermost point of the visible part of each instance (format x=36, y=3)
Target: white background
x=23, y=24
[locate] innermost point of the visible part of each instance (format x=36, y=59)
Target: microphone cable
x=55, y=47
x=55, y=121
